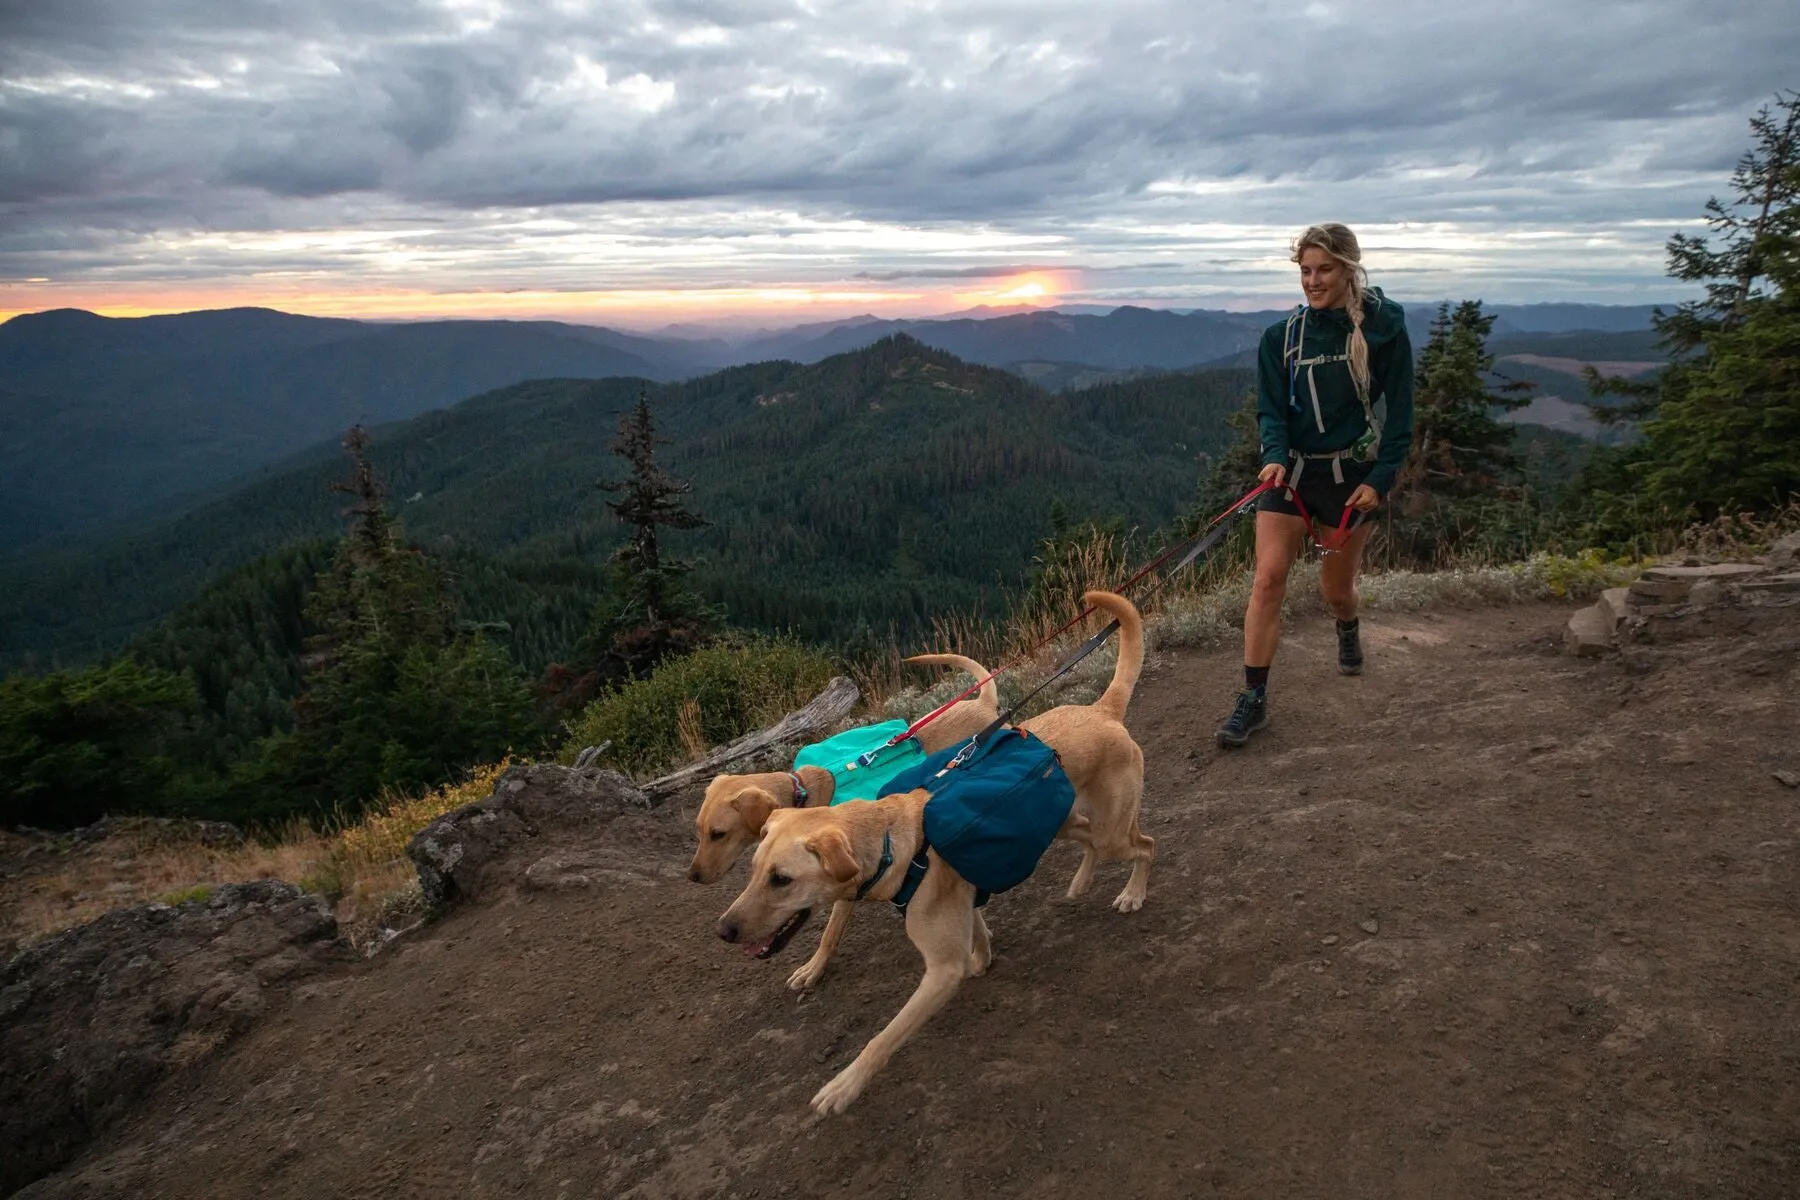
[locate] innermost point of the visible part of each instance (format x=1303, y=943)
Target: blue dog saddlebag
x=860, y=760
x=992, y=815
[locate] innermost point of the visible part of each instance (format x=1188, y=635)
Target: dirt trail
x=1486, y=921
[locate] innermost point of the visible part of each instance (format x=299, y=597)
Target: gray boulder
x=533, y=810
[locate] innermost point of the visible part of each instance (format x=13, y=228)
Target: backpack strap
x=1291, y=344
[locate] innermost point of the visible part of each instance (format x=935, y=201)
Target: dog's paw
x=1129, y=902
x=838, y=1095
x=979, y=963
x=806, y=976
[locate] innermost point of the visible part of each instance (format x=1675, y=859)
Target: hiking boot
x=1349, y=649
x=1250, y=714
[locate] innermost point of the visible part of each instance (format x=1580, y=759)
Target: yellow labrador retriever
x=732, y=813
x=810, y=857
x=736, y=807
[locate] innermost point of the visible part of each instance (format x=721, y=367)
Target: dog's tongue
x=758, y=949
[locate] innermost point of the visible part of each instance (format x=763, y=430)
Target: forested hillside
x=863, y=492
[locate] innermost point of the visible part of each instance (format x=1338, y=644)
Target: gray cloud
x=700, y=141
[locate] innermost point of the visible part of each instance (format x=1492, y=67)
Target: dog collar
x=800, y=796
x=887, y=860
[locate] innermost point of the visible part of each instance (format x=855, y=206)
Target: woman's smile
x=1322, y=278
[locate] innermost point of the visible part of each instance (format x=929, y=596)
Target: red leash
x=1332, y=542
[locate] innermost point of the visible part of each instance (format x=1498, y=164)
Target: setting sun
x=1032, y=290
x=1016, y=289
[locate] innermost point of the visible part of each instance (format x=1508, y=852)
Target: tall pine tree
x=651, y=614
x=1459, y=489
x=1460, y=449
x=397, y=695
x=1722, y=421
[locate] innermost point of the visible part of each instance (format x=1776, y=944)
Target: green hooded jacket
x=1308, y=404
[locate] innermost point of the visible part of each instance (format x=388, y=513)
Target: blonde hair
x=1337, y=241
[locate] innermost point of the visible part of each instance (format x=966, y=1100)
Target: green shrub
x=1582, y=575
x=692, y=703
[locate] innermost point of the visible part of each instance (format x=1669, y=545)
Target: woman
x=1335, y=411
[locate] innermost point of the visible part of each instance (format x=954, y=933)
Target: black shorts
x=1323, y=496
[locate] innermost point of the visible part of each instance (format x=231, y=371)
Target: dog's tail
x=1131, y=652
x=989, y=691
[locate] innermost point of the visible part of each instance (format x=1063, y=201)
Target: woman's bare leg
x=1338, y=574
x=1278, y=539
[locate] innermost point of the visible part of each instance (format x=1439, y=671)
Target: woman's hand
x=1364, y=498
x=1274, y=471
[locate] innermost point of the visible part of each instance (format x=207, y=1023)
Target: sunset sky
x=650, y=161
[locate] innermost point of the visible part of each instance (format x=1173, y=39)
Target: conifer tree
x=1459, y=449
x=1722, y=420
x=651, y=614
x=76, y=745
x=1230, y=473
x=396, y=694
x=1459, y=491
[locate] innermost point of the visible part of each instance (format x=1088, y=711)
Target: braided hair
x=1337, y=241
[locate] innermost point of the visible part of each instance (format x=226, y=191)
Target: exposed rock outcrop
x=536, y=810
x=92, y=1019
x=1784, y=555
x=1676, y=601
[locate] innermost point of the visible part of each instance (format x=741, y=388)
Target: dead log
x=821, y=712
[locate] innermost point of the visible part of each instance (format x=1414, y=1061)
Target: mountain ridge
x=108, y=421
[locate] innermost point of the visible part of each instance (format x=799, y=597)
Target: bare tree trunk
x=822, y=711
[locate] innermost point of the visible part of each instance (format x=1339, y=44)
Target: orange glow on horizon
x=662, y=303
x=1040, y=288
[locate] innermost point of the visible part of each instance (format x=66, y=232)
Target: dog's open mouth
x=772, y=944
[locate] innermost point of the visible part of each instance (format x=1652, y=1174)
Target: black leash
x=1203, y=542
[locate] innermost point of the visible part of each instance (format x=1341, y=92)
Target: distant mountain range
x=110, y=422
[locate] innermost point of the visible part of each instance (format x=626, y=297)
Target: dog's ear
x=832, y=848
x=754, y=805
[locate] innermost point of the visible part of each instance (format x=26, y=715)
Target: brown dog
x=811, y=857
x=732, y=813
x=1104, y=763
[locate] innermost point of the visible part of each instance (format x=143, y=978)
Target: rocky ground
x=1488, y=921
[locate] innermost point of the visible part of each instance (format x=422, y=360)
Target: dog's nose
x=694, y=874
x=728, y=929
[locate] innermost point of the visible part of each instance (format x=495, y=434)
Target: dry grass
x=1737, y=535
x=66, y=884
x=688, y=728
x=359, y=864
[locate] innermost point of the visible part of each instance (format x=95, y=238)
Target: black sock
x=1348, y=626
x=1256, y=678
